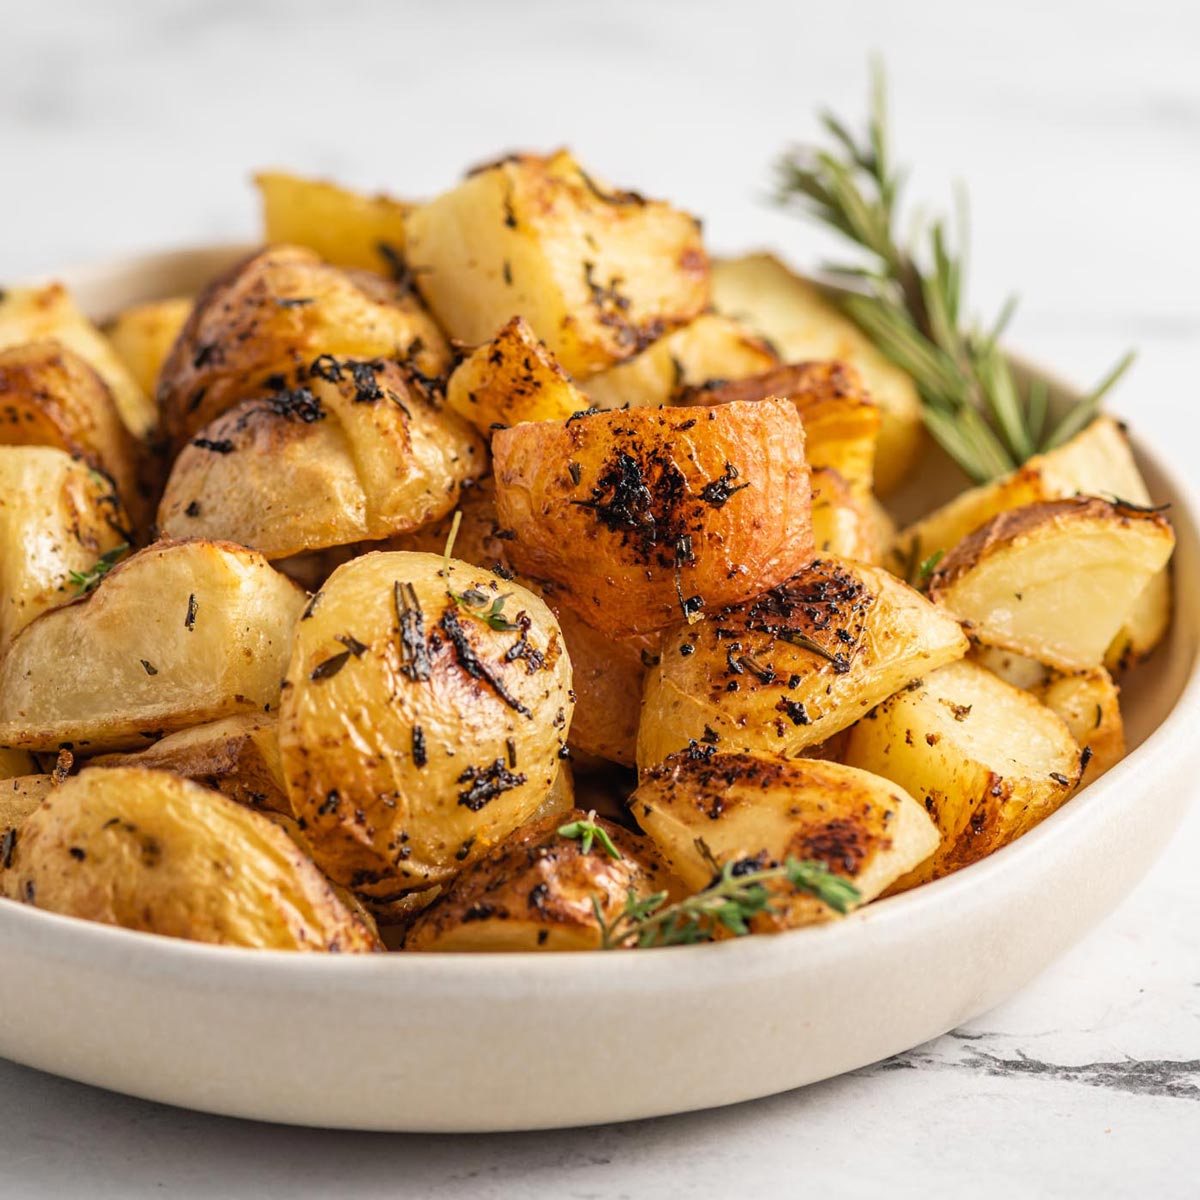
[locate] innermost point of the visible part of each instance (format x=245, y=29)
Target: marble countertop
x=129, y=126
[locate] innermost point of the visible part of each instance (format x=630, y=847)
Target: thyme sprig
x=908, y=298
x=85, y=581
x=588, y=831
x=737, y=893
x=477, y=604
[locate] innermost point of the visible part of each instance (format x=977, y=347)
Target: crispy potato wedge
x=841, y=422
x=843, y=522
x=735, y=808
x=1144, y=627
x=179, y=634
x=236, y=756
x=57, y=518
x=1053, y=581
x=345, y=227
x=48, y=313
x=20, y=795
x=416, y=732
x=560, y=799
x=705, y=352
x=1088, y=704
x=598, y=273
x=511, y=379
x=793, y=666
x=276, y=312
x=355, y=451
x=538, y=891
x=14, y=763
x=803, y=325
x=147, y=850
x=642, y=518
x=987, y=760
x=143, y=334
x=1022, y=672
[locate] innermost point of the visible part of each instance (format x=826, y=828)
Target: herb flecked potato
x=147, y=850
x=419, y=728
x=644, y=518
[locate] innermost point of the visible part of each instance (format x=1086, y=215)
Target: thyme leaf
x=588, y=831
x=85, y=581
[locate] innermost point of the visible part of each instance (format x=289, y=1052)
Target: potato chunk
x=1087, y=701
x=143, y=334
x=1053, y=581
x=354, y=451
x=706, y=809
x=987, y=760
x=147, y=850
x=346, y=228
x=417, y=731
x=792, y=667
x=804, y=325
x=179, y=634
x=598, y=274
x=20, y=795
x=643, y=518
x=844, y=523
x=538, y=891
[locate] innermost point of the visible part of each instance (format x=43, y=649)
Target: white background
x=129, y=126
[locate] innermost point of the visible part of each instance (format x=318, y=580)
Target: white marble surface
x=128, y=126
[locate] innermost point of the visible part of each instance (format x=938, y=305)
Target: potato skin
x=355, y=450
x=149, y=851
x=747, y=679
x=639, y=518
x=413, y=736
x=271, y=315
x=536, y=892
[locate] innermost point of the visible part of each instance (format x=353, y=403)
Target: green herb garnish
x=928, y=566
x=85, y=581
x=589, y=831
x=473, y=602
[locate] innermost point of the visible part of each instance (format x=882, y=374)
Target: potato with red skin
x=642, y=519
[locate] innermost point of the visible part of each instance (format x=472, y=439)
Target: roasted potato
x=346, y=228
x=418, y=730
x=355, y=450
x=14, y=763
x=512, y=378
x=643, y=518
x=58, y=517
x=179, y=634
x=987, y=760
x=704, y=810
x=1088, y=704
x=1022, y=672
x=1144, y=627
x=704, y=353
x=237, y=756
x=20, y=795
x=793, y=666
x=803, y=325
x=1053, y=581
x=597, y=273
x=148, y=850
x=143, y=334
x=538, y=891
x=276, y=312
x=843, y=522
x=841, y=422
x=49, y=314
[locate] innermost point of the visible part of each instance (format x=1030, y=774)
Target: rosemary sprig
x=588, y=831
x=85, y=581
x=737, y=893
x=473, y=602
x=908, y=299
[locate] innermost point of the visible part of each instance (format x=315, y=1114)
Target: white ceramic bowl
x=523, y=1041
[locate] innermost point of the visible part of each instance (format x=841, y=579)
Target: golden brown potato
x=987, y=760
x=1022, y=672
x=793, y=666
x=598, y=273
x=803, y=325
x=417, y=731
x=143, y=334
x=147, y=850
x=50, y=396
x=512, y=378
x=49, y=314
x=346, y=228
x=14, y=763
x=1087, y=702
x=276, y=312
x=20, y=795
x=58, y=518
x=178, y=634
x=538, y=891
x=560, y=799
x=1053, y=581
x=1144, y=627
x=703, y=811
x=354, y=451
x=841, y=422
x=643, y=518
x=704, y=353
x=843, y=522
x=237, y=756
